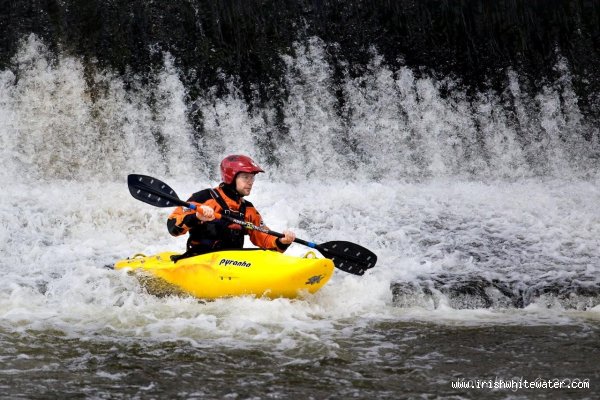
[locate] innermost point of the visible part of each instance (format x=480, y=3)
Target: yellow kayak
x=235, y=273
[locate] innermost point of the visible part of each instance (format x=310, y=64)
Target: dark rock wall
x=473, y=40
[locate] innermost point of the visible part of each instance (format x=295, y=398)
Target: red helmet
x=234, y=164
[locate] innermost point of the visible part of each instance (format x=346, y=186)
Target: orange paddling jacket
x=220, y=234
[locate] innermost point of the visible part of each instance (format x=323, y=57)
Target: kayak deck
x=236, y=273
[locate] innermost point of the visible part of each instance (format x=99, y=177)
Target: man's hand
x=288, y=237
x=205, y=213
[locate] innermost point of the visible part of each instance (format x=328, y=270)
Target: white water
x=419, y=188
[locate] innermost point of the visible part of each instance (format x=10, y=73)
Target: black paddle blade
x=349, y=257
x=152, y=191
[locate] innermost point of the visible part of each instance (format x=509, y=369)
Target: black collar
x=230, y=192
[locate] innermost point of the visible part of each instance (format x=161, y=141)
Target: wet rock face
x=471, y=292
x=472, y=40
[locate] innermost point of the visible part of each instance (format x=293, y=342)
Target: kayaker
x=207, y=234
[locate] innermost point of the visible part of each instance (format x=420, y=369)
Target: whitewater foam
x=410, y=168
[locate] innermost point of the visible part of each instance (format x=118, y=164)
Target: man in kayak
x=206, y=233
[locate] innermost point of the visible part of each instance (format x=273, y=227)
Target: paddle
x=347, y=256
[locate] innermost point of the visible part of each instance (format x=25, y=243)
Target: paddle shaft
x=245, y=224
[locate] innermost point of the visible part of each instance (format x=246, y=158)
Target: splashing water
x=444, y=187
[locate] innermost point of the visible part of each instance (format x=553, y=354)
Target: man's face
x=244, y=182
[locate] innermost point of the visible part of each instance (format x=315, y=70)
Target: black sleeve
x=282, y=246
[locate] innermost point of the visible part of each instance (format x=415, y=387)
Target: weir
x=393, y=99
x=62, y=120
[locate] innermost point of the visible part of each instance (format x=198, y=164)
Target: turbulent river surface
x=485, y=218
